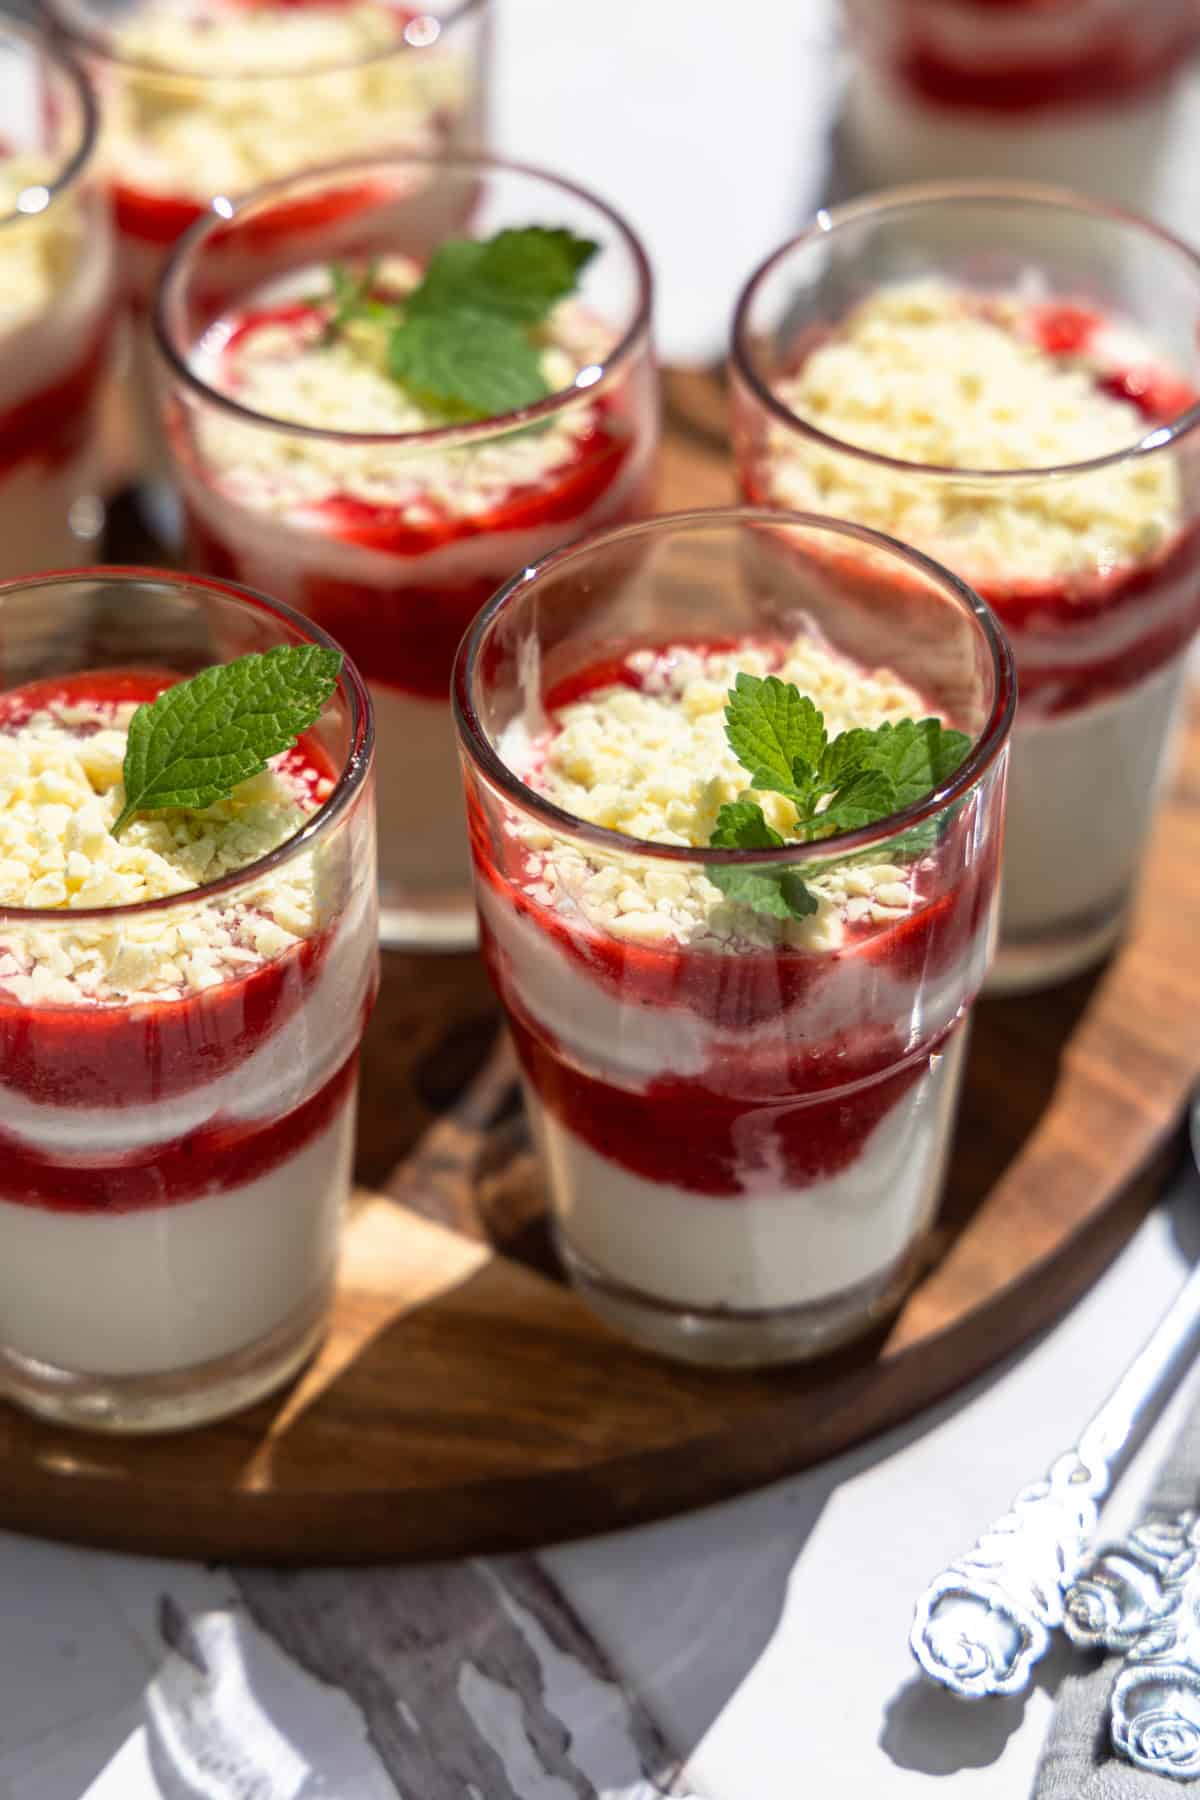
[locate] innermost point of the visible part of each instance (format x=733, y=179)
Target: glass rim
x=349, y=780
x=932, y=194
x=38, y=44
x=69, y=17
x=212, y=222
x=985, y=748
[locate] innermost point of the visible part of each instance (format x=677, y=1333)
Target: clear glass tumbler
x=177, y=1073
x=1007, y=378
x=204, y=102
x=1085, y=92
x=56, y=279
x=392, y=536
x=743, y=1117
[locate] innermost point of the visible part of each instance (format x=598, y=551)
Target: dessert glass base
x=726, y=1338
x=1023, y=965
x=177, y=1401
x=447, y=923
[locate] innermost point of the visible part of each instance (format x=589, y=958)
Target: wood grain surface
x=465, y=1401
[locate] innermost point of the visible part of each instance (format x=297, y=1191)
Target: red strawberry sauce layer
x=404, y=636
x=774, y=1105
x=1081, y=639
x=138, y=1053
x=55, y=422
x=159, y=219
x=1120, y=61
x=216, y=1157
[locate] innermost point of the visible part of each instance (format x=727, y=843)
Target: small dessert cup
x=743, y=1117
x=177, y=1073
x=205, y=101
x=1007, y=378
x=307, y=470
x=56, y=275
x=1086, y=93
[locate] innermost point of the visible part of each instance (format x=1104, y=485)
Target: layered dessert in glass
x=203, y=100
x=182, y=997
x=1007, y=379
x=741, y=1036
x=1086, y=92
x=56, y=276
x=388, y=498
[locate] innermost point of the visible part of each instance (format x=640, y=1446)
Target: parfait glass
x=743, y=1121
x=203, y=102
x=1086, y=93
x=1081, y=529
x=177, y=1075
x=392, y=539
x=56, y=275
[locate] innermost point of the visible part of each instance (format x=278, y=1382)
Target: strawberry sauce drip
x=405, y=635
x=222, y=1154
x=136, y=1053
x=786, y=1096
x=1083, y=638
x=159, y=219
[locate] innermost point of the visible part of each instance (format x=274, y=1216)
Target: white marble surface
x=752, y=1652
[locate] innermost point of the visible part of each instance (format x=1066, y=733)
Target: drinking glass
x=743, y=1123
x=176, y=1132
x=393, y=540
x=56, y=280
x=1093, y=565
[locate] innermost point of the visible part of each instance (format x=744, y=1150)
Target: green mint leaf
x=518, y=275
x=193, y=745
x=917, y=755
x=844, y=756
x=780, y=893
x=798, y=896
x=741, y=825
x=948, y=750
x=867, y=795
x=770, y=725
x=466, y=365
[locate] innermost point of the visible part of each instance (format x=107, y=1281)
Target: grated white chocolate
x=60, y=791
x=289, y=371
x=38, y=249
x=217, y=98
x=929, y=374
x=653, y=762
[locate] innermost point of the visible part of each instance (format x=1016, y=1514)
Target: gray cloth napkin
x=1078, y=1762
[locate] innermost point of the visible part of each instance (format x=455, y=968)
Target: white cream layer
x=280, y=552
x=609, y=1034
x=1114, y=152
x=1082, y=788
x=147, y=1293
x=782, y=1248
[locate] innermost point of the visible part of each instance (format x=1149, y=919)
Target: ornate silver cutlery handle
x=983, y=1623
x=1139, y=1596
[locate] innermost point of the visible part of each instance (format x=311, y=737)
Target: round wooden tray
x=465, y=1401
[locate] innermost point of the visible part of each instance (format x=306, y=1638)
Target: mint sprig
x=193, y=745
x=462, y=342
x=855, y=779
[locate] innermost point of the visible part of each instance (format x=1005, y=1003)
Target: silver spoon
x=982, y=1624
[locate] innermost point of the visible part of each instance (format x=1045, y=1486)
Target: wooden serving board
x=465, y=1401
